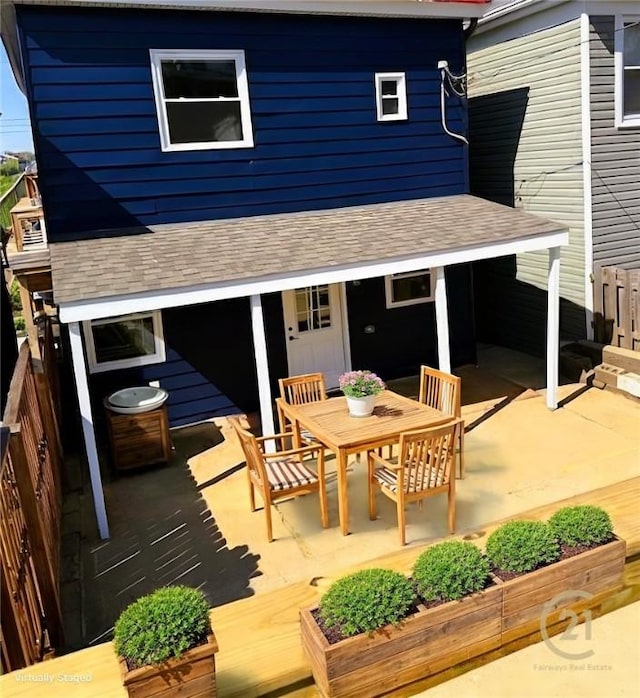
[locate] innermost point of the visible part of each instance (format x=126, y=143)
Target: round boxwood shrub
x=366, y=600
x=449, y=571
x=521, y=546
x=581, y=525
x=161, y=625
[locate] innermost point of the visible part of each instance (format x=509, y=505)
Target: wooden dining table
x=330, y=423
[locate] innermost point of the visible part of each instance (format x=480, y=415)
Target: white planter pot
x=361, y=406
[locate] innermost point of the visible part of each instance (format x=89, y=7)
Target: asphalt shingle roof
x=181, y=255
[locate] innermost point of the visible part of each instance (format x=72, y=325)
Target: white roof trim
x=409, y=8
x=76, y=311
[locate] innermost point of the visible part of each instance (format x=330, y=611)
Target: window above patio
x=125, y=341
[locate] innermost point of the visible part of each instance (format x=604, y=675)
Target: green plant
x=14, y=295
x=450, y=570
x=581, y=525
x=19, y=323
x=366, y=600
x=360, y=383
x=521, y=546
x=161, y=625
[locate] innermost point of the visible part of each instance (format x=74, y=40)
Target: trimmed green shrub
x=450, y=570
x=366, y=600
x=581, y=525
x=161, y=625
x=521, y=546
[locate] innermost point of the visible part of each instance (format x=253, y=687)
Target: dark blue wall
x=311, y=86
x=405, y=337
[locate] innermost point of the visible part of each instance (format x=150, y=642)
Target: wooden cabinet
x=139, y=439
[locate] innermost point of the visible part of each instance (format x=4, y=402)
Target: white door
x=314, y=331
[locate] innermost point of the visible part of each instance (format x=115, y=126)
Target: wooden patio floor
x=260, y=651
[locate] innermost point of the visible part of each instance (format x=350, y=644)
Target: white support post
x=553, y=326
x=262, y=367
x=442, y=322
x=82, y=387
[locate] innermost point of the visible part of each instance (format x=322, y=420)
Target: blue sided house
x=237, y=191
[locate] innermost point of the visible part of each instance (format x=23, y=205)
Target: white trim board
x=74, y=311
x=392, y=8
x=585, y=101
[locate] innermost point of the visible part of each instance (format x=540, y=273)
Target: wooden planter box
x=191, y=676
x=426, y=643
x=595, y=571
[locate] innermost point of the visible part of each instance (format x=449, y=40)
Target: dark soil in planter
x=566, y=551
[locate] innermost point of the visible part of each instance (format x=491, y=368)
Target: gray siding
x=526, y=151
x=615, y=157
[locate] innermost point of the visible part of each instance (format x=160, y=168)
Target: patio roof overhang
x=110, y=273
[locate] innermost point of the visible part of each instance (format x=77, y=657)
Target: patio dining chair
x=425, y=467
x=299, y=390
x=442, y=391
x=281, y=474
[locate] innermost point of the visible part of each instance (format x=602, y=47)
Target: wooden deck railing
x=616, y=309
x=30, y=520
x=10, y=198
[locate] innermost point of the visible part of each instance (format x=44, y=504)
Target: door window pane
x=313, y=310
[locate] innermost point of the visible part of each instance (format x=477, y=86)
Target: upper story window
x=627, y=61
x=124, y=341
x=409, y=288
x=391, y=96
x=202, y=99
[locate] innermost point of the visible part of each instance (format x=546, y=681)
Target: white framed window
x=410, y=288
x=202, y=99
x=124, y=341
x=627, y=70
x=391, y=96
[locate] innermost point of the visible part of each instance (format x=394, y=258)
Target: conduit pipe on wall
x=444, y=67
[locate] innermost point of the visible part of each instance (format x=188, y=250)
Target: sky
x=15, y=129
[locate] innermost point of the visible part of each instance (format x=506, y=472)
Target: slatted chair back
x=440, y=390
x=427, y=457
x=252, y=453
x=298, y=390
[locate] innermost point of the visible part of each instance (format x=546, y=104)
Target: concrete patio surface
x=189, y=522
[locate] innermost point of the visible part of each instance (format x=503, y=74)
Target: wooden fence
x=30, y=519
x=616, y=311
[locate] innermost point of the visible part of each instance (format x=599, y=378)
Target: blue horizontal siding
x=317, y=142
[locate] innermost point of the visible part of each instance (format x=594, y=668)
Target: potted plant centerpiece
x=360, y=389
x=166, y=646
x=567, y=562
x=376, y=630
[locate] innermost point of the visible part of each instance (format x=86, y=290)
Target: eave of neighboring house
x=463, y=9
x=503, y=14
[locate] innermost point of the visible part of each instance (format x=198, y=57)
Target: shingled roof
x=183, y=255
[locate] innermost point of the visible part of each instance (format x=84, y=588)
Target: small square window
x=627, y=71
x=391, y=96
x=409, y=289
x=202, y=99
x=125, y=341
